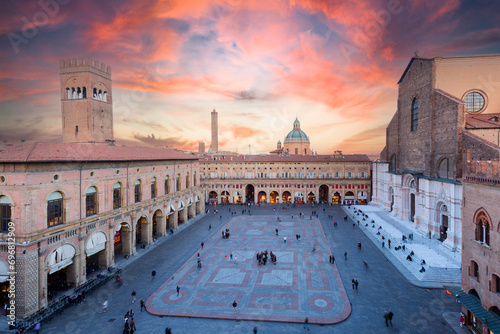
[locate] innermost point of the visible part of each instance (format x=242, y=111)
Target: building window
x=55, y=209
x=153, y=187
x=349, y=175
x=137, y=191
x=117, y=195
x=194, y=178
x=414, y=115
x=482, y=228
x=187, y=179
x=296, y=151
x=474, y=269
x=495, y=283
x=5, y=213
x=167, y=185
x=474, y=102
x=91, y=201
x=178, y=182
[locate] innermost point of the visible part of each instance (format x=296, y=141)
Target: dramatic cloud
x=333, y=64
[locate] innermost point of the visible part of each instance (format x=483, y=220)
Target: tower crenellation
x=86, y=99
x=71, y=63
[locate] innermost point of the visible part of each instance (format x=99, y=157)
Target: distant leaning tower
x=215, y=135
x=87, y=106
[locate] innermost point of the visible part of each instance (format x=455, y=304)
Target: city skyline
x=334, y=66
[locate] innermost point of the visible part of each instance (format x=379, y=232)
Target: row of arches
x=274, y=197
x=74, y=93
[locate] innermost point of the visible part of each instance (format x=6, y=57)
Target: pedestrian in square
x=345, y=255
x=143, y=305
x=37, y=327
x=202, y=244
x=386, y=318
x=209, y=226
x=306, y=324
x=133, y=296
x=333, y=259
x=353, y=283
x=153, y=275
x=390, y=315
x=276, y=231
x=284, y=240
x=235, y=304
x=178, y=290
x=356, y=284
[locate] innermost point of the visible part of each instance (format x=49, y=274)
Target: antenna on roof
x=416, y=53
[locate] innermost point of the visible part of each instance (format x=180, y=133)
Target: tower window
x=76, y=129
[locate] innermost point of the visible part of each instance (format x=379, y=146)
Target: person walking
x=386, y=318
x=333, y=259
x=209, y=227
x=356, y=284
x=389, y=243
x=235, y=304
x=461, y=320
x=133, y=296
x=255, y=328
x=390, y=315
x=284, y=240
x=37, y=327
x=276, y=231
x=143, y=305
x=202, y=244
x=105, y=306
x=345, y=255
x=132, y=325
x=178, y=290
x=153, y=275
x=306, y=324
x=353, y=283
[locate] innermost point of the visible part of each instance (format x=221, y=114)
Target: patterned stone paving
x=302, y=284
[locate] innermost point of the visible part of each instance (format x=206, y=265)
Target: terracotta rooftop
x=288, y=158
x=482, y=121
x=49, y=152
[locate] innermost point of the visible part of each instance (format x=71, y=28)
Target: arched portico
x=262, y=197
x=274, y=197
x=159, y=226
x=323, y=193
x=286, y=197
x=96, y=251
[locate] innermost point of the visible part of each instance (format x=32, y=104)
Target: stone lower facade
x=433, y=206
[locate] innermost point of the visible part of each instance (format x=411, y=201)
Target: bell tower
x=86, y=101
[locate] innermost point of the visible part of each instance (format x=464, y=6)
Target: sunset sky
x=333, y=64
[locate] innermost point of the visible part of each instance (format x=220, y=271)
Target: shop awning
x=489, y=319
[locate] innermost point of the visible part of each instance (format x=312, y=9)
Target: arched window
x=68, y=93
x=474, y=269
x=178, y=182
x=5, y=213
x=153, y=187
x=414, y=115
x=137, y=191
x=105, y=96
x=117, y=195
x=167, y=185
x=482, y=228
x=444, y=169
x=55, y=209
x=75, y=94
x=100, y=95
x=84, y=90
x=91, y=201
x=495, y=283
x=194, y=178
x=94, y=94
x=79, y=92
x=187, y=180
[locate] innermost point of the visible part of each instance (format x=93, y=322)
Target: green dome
x=296, y=135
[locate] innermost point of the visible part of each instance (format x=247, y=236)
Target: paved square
x=301, y=284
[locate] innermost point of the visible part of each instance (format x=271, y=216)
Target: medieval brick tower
x=86, y=101
x=215, y=133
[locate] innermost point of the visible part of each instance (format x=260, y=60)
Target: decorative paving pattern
x=301, y=284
